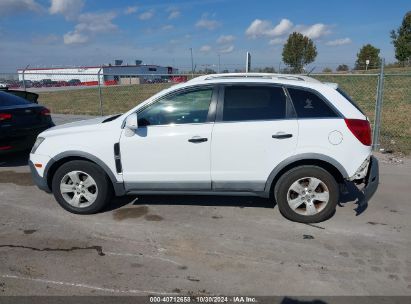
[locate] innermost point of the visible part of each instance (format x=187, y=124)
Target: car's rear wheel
x=81, y=187
x=307, y=194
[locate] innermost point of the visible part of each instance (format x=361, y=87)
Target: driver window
x=182, y=108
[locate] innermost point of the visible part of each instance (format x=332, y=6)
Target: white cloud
x=146, y=15
x=68, y=8
x=167, y=27
x=264, y=28
x=206, y=23
x=11, y=7
x=338, y=42
x=261, y=28
x=276, y=41
x=130, y=10
x=90, y=24
x=173, y=14
x=224, y=39
x=227, y=49
x=96, y=22
x=75, y=37
x=205, y=49
x=314, y=31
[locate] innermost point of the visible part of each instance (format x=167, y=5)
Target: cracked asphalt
x=187, y=245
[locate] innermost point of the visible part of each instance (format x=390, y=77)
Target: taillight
x=5, y=116
x=45, y=112
x=361, y=129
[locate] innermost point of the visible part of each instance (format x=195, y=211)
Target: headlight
x=38, y=142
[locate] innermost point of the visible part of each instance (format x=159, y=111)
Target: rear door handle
x=282, y=135
x=198, y=139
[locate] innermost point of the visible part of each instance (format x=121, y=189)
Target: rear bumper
x=372, y=179
x=20, y=139
x=40, y=182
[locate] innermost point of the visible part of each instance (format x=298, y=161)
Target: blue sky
x=93, y=32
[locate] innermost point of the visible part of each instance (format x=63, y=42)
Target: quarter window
x=182, y=108
x=242, y=103
x=309, y=105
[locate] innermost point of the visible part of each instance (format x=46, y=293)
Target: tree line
x=299, y=50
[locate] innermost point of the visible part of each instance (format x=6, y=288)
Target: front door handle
x=198, y=139
x=282, y=135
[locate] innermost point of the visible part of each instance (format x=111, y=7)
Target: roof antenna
x=311, y=71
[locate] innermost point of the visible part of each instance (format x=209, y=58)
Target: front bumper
x=40, y=182
x=372, y=179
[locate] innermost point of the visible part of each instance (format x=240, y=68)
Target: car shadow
x=17, y=159
x=356, y=195
x=353, y=194
x=191, y=200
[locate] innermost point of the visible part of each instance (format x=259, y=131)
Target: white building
x=109, y=74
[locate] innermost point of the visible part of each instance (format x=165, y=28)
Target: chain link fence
x=110, y=94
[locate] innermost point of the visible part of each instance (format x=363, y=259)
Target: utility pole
x=192, y=63
x=219, y=63
x=24, y=81
x=378, y=108
x=248, y=63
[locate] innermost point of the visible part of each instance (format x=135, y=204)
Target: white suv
x=290, y=138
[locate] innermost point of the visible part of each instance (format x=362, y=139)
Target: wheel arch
x=67, y=156
x=320, y=160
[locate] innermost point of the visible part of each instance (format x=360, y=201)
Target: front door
x=170, y=150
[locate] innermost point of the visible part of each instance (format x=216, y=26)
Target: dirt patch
x=17, y=178
x=375, y=223
x=153, y=217
x=29, y=231
x=98, y=249
x=192, y=279
x=130, y=213
x=308, y=237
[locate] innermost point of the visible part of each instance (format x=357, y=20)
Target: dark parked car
x=30, y=96
x=20, y=122
x=74, y=82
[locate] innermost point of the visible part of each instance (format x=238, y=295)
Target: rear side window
x=309, y=105
x=242, y=103
x=7, y=100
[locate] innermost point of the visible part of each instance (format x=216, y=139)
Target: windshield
x=348, y=97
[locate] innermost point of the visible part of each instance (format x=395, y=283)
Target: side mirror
x=132, y=122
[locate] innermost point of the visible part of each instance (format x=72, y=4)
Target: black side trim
x=189, y=192
x=167, y=186
x=117, y=158
x=246, y=186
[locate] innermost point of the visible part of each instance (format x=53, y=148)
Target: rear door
x=255, y=130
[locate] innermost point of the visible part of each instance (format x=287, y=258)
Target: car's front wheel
x=81, y=187
x=307, y=194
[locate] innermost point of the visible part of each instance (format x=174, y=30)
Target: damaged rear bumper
x=372, y=179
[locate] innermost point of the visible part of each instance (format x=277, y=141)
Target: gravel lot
x=202, y=245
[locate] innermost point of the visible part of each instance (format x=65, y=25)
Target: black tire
x=281, y=193
x=103, y=184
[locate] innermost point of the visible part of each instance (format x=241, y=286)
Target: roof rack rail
x=256, y=76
